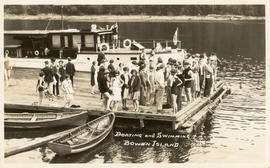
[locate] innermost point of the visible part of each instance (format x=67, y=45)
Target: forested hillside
x=162, y=10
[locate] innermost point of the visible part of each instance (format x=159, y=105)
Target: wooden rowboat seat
x=34, y=118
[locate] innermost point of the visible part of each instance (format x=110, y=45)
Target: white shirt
x=67, y=86
x=160, y=78
x=126, y=78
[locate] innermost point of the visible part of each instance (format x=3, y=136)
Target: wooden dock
x=185, y=121
x=176, y=120
x=21, y=94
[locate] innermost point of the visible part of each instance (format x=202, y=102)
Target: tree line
x=159, y=10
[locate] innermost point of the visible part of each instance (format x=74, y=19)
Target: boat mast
x=62, y=18
x=62, y=28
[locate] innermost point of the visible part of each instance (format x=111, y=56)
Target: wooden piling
x=196, y=120
x=141, y=123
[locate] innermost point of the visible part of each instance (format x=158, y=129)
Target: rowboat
x=83, y=137
x=45, y=120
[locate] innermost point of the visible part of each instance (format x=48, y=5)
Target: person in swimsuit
x=175, y=84
x=188, y=76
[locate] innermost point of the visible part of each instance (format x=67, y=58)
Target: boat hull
x=74, y=120
x=63, y=149
x=84, y=61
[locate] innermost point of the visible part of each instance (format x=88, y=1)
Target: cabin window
x=66, y=41
x=56, y=42
x=89, y=41
x=76, y=39
x=133, y=58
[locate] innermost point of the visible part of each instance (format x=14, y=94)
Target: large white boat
x=30, y=48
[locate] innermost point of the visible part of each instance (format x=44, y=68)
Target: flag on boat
x=175, y=37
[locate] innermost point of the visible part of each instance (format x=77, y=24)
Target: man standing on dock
x=70, y=70
x=208, y=78
x=160, y=87
x=143, y=77
x=201, y=70
x=55, y=69
x=48, y=77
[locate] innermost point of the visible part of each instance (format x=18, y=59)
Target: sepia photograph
x=134, y=83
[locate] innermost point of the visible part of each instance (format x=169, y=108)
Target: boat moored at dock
x=30, y=48
x=45, y=120
x=84, y=137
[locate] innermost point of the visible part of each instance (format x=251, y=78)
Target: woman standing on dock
x=7, y=69
x=116, y=85
x=40, y=87
x=180, y=91
x=175, y=84
x=134, y=86
x=188, y=76
x=93, y=73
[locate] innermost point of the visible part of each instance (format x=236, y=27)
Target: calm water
x=236, y=131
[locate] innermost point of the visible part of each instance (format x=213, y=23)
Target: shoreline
x=134, y=18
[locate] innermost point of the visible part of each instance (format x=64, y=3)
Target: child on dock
x=68, y=90
x=125, y=78
x=40, y=88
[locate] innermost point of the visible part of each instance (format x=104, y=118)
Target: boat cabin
x=58, y=43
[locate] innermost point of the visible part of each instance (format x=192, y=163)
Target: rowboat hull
x=64, y=149
x=74, y=119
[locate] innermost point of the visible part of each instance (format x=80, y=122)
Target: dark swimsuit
x=187, y=76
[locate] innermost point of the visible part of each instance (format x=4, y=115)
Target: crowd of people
x=53, y=75
x=147, y=82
